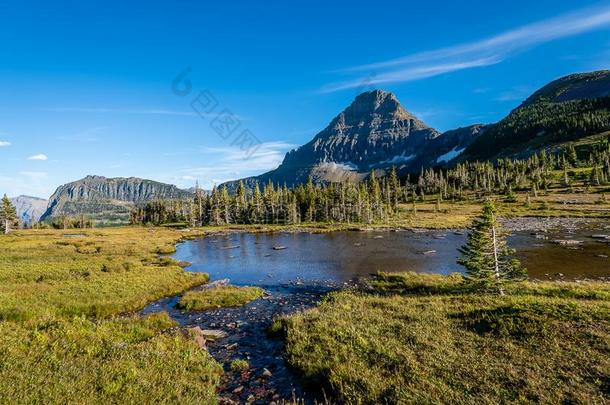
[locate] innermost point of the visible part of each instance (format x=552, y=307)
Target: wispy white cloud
x=4, y=144
x=25, y=183
x=40, y=157
x=232, y=164
x=413, y=73
x=486, y=52
x=428, y=113
x=481, y=90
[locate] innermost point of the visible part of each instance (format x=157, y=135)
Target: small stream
x=297, y=269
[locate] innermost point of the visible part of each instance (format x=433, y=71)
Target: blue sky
x=86, y=87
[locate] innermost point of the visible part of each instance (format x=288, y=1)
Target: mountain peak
x=376, y=97
x=378, y=102
x=373, y=131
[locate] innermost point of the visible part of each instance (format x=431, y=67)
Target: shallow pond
x=278, y=258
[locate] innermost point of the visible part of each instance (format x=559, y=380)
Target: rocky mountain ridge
x=29, y=209
x=108, y=197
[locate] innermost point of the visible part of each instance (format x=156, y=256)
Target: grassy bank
x=219, y=297
x=60, y=337
x=576, y=203
x=422, y=339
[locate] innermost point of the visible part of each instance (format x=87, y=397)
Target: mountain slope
x=579, y=86
x=443, y=149
x=108, y=199
x=564, y=110
x=374, y=132
x=29, y=209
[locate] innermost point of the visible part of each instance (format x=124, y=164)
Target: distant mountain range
x=29, y=209
x=375, y=132
x=108, y=199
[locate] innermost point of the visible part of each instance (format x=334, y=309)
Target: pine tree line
x=375, y=200
x=506, y=175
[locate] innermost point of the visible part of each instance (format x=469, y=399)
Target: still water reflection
x=271, y=259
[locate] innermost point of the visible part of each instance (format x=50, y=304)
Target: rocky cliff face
x=374, y=128
x=29, y=209
x=110, y=198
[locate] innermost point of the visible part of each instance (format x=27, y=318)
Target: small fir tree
x=8, y=214
x=488, y=260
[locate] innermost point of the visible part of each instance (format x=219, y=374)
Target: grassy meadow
x=65, y=330
x=411, y=338
x=558, y=202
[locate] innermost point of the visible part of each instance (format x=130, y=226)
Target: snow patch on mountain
x=395, y=160
x=452, y=154
x=347, y=166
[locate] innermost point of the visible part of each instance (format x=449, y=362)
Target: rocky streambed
x=242, y=333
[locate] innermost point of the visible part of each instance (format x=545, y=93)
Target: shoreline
x=511, y=223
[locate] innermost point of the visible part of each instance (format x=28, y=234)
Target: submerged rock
x=567, y=242
x=214, y=334
x=224, y=281
x=197, y=335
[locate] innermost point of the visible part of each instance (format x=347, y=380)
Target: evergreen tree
x=256, y=216
x=486, y=256
x=8, y=214
x=570, y=154
x=394, y=189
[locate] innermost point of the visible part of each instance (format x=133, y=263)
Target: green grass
x=219, y=297
x=423, y=339
x=113, y=361
x=104, y=273
x=64, y=333
x=240, y=365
